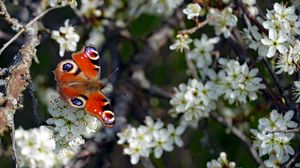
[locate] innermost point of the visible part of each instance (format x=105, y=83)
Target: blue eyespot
x=77, y=102
x=67, y=67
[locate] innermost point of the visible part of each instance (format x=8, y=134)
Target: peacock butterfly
x=79, y=85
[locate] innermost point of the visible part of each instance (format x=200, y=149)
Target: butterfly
x=78, y=82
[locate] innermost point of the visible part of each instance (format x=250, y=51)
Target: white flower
x=153, y=126
x=66, y=37
x=182, y=42
x=175, y=134
x=125, y=135
x=285, y=13
x=161, y=142
x=136, y=150
x=202, y=53
x=275, y=42
x=222, y=21
x=286, y=63
x=69, y=125
x=220, y=162
x=192, y=10
x=34, y=145
x=271, y=139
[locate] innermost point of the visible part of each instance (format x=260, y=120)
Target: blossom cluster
x=273, y=138
x=234, y=82
x=66, y=37
x=35, y=147
x=283, y=27
x=69, y=125
x=194, y=100
x=221, y=162
x=237, y=82
x=150, y=138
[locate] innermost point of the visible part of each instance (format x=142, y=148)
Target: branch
x=17, y=81
x=235, y=131
x=24, y=28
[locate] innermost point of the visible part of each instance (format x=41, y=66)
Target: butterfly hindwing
x=97, y=105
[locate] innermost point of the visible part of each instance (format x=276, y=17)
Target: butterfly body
x=78, y=84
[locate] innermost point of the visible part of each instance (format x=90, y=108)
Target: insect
x=79, y=85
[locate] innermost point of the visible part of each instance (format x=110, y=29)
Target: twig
x=284, y=131
x=235, y=131
x=147, y=162
x=277, y=82
x=12, y=134
x=252, y=18
x=292, y=159
x=194, y=29
x=26, y=27
x=191, y=66
x=13, y=21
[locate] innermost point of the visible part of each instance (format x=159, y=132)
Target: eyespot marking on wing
x=108, y=118
x=68, y=66
x=78, y=102
x=92, y=53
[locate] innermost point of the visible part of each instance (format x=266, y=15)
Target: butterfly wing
x=67, y=71
x=97, y=105
x=87, y=60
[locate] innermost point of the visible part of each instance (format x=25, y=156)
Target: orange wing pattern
x=79, y=85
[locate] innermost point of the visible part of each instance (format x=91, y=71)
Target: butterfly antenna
x=112, y=74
